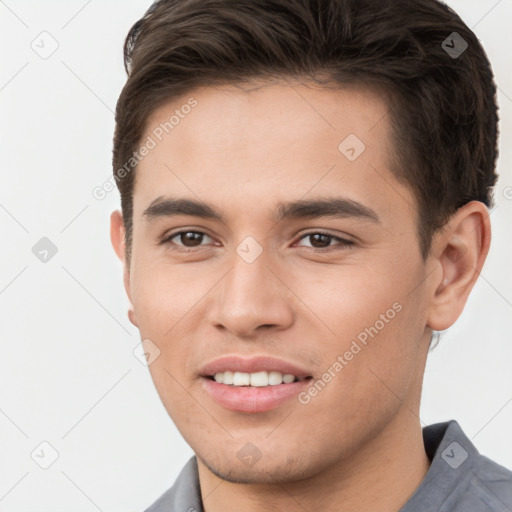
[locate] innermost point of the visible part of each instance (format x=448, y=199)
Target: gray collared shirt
x=459, y=479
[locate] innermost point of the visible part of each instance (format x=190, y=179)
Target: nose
x=252, y=297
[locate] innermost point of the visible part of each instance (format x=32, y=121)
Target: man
x=305, y=188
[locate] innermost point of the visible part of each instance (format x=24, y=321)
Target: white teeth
x=241, y=379
x=258, y=379
x=288, y=379
x=275, y=378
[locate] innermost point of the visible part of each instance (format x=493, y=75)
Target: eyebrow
x=337, y=207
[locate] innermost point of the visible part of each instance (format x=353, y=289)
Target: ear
x=459, y=249
x=117, y=237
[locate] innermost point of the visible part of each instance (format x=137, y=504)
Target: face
x=304, y=260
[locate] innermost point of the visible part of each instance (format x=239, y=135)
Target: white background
x=67, y=369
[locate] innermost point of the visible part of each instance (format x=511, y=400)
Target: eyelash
x=343, y=242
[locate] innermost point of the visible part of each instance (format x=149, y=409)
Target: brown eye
x=319, y=240
x=188, y=239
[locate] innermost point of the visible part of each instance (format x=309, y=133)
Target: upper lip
x=251, y=365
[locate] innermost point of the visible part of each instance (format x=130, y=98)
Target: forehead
x=232, y=114
x=269, y=141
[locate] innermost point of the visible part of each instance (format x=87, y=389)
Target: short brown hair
x=442, y=106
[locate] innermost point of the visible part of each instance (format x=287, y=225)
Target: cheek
x=349, y=299
x=163, y=294
x=365, y=382
x=375, y=327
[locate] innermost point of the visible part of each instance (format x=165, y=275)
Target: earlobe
x=117, y=234
x=461, y=249
x=131, y=316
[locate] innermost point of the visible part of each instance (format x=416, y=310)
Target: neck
x=382, y=476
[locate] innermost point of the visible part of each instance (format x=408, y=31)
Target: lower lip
x=249, y=399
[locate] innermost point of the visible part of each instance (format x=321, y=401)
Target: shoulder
x=491, y=483
x=484, y=484
x=459, y=479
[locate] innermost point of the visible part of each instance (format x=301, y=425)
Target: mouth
x=255, y=380
x=246, y=398
x=252, y=385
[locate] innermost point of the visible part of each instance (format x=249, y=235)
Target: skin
x=357, y=445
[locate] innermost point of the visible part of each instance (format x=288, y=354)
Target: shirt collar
x=453, y=458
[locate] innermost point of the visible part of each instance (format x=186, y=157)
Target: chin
x=270, y=471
